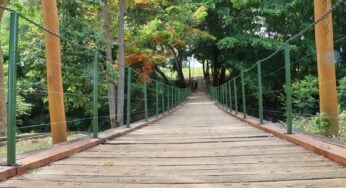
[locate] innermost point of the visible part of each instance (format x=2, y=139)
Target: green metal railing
x=164, y=97
x=223, y=93
x=144, y=98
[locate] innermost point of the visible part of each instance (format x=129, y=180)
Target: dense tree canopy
x=226, y=36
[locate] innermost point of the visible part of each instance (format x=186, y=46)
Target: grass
x=35, y=144
x=342, y=124
x=195, y=72
x=308, y=124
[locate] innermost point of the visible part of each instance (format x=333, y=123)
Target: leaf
x=108, y=164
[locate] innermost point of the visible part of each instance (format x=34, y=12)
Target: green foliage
x=342, y=126
x=322, y=123
x=247, y=41
x=342, y=94
x=315, y=125
x=228, y=35
x=304, y=96
x=307, y=124
x=32, y=102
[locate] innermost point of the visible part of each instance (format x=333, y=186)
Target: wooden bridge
x=197, y=146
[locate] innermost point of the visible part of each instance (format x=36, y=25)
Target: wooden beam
x=326, y=66
x=54, y=78
x=121, y=78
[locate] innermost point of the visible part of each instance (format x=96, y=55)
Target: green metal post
x=12, y=83
x=163, y=97
x=226, y=98
x=172, y=97
x=128, y=108
x=183, y=95
x=218, y=94
x=145, y=98
x=168, y=98
x=243, y=93
x=260, y=92
x=179, y=96
x=95, y=97
x=230, y=96
x=157, y=97
x=222, y=96
x=176, y=97
x=235, y=96
x=288, y=88
x=212, y=93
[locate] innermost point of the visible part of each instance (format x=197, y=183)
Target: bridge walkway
x=197, y=146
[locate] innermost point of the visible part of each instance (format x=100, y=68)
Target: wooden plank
x=182, y=161
x=209, y=147
x=150, y=171
x=320, y=183
x=256, y=166
x=192, y=154
x=178, y=179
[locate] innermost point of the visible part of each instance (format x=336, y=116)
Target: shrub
x=342, y=94
x=304, y=96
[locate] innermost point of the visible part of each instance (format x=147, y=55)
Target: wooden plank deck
x=198, y=146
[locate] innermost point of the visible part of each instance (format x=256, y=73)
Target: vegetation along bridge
x=263, y=105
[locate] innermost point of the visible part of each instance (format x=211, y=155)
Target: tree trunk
x=204, y=67
x=161, y=73
x=3, y=110
x=223, y=75
x=216, y=67
x=121, y=79
x=178, y=59
x=109, y=56
x=181, y=78
x=208, y=71
x=54, y=76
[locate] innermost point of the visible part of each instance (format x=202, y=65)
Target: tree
x=108, y=43
x=170, y=32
